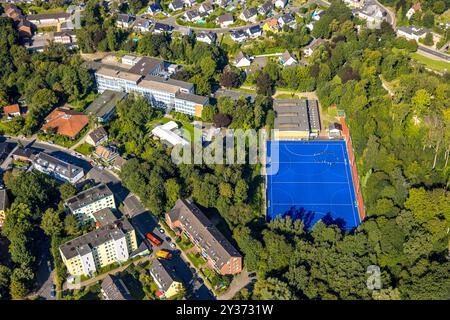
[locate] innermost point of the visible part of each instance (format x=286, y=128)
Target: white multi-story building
x=114, y=242
x=85, y=204
x=57, y=168
x=162, y=92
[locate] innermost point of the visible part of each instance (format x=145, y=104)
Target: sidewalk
x=71, y=286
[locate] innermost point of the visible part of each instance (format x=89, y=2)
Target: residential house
x=412, y=32
x=104, y=106
x=176, y=5
x=86, y=203
x=4, y=205
x=13, y=12
x=222, y=3
x=309, y=49
x=12, y=111
x=57, y=168
x=142, y=25
x=97, y=137
x=417, y=7
x=49, y=19
x=24, y=28
x=113, y=288
x=189, y=3
x=266, y=8
x=206, y=7
x=5, y=150
x=271, y=25
x=249, y=15
x=373, y=14
x=124, y=20
x=287, y=20
x=65, y=122
x=258, y=63
x=241, y=60
x=168, y=283
x=118, y=163
x=162, y=28
x=254, y=31
x=355, y=3
x=106, y=153
x=23, y=154
x=112, y=243
x=153, y=9
x=318, y=14
x=287, y=60
x=280, y=4
x=192, y=15
x=186, y=218
x=225, y=20
x=238, y=35
x=206, y=37
x=65, y=37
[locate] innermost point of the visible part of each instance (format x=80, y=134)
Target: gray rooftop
x=104, y=216
x=54, y=164
x=297, y=115
x=292, y=115
x=4, y=201
x=98, y=134
x=160, y=270
x=114, y=289
x=132, y=206
x=192, y=98
x=85, y=243
x=104, y=104
x=204, y=231
x=146, y=66
x=89, y=196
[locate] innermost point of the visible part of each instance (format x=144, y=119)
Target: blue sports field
x=313, y=182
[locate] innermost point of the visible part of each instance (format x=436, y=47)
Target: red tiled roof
x=14, y=108
x=67, y=122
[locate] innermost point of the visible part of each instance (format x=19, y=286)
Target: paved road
x=438, y=55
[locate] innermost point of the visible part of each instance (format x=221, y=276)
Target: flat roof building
x=296, y=119
x=85, y=204
x=104, y=106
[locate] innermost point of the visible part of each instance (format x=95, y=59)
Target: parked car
x=161, y=230
x=168, y=239
x=172, y=245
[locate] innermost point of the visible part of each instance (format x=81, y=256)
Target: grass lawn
x=84, y=148
x=431, y=63
x=196, y=259
x=286, y=96
x=184, y=243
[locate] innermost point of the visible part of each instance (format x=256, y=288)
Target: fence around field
x=351, y=156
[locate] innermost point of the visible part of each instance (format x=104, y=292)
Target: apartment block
x=57, y=168
x=114, y=242
x=186, y=218
x=85, y=204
